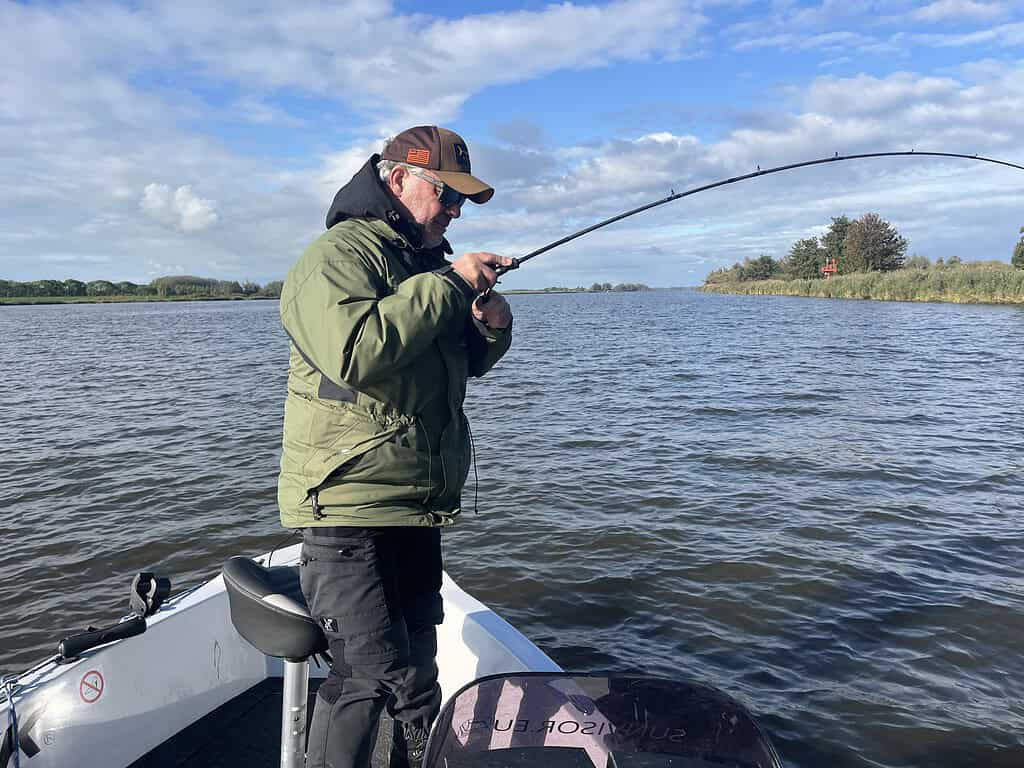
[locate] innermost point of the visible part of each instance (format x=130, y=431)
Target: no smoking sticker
x=91, y=687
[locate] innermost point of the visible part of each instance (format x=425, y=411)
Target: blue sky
x=148, y=139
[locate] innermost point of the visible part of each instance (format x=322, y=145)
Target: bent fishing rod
x=516, y=262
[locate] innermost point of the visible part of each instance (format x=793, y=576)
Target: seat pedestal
x=293, y=713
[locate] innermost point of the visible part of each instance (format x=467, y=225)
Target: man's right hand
x=477, y=269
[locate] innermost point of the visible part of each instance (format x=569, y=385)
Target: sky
x=145, y=139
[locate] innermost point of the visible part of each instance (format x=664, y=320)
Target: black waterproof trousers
x=377, y=594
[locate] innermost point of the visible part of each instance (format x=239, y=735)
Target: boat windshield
x=560, y=720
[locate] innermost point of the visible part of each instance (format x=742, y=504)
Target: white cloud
x=159, y=269
x=181, y=208
x=196, y=213
x=826, y=41
x=838, y=61
x=791, y=27
x=946, y=10
x=257, y=111
x=868, y=95
x=337, y=168
x=74, y=258
x=1005, y=35
x=409, y=68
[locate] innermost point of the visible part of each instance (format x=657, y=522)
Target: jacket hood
x=365, y=197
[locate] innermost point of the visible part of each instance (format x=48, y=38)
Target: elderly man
x=376, y=448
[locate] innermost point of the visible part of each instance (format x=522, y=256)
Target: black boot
x=409, y=746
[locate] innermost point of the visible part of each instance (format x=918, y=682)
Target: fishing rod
x=516, y=262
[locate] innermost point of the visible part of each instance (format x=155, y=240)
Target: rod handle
x=73, y=646
x=501, y=270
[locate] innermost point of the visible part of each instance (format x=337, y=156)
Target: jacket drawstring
x=476, y=477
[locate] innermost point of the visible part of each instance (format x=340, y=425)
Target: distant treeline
x=867, y=244
x=869, y=258
x=161, y=287
x=189, y=286
x=595, y=288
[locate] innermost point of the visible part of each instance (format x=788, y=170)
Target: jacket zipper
x=318, y=510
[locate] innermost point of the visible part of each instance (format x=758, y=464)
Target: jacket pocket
x=325, y=462
x=395, y=472
x=321, y=438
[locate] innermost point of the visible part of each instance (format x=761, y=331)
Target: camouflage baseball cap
x=443, y=152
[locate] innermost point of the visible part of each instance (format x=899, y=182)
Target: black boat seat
x=269, y=610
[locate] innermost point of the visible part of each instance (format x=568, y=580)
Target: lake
x=815, y=505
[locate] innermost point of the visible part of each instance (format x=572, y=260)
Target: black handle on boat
x=73, y=646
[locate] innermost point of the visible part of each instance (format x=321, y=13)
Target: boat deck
x=244, y=731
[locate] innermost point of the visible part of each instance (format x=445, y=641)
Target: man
x=376, y=448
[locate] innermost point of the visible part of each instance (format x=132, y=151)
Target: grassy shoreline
x=957, y=285
x=123, y=299
x=228, y=297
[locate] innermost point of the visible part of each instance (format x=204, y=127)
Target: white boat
x=189, y=690
x=117, y=703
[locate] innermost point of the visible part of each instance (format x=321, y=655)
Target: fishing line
x=517, y=262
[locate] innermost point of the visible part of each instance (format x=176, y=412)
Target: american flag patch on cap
x=418, y=156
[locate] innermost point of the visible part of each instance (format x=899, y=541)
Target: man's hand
x=477, y=269
x=494, y=313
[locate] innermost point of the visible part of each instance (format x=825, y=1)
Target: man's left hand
x=495, y=313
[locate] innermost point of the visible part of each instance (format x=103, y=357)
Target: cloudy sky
x=152, y=138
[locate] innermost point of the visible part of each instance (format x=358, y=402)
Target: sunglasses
x=447, y=196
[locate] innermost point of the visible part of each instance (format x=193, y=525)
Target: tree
x=100, y=288
x=47, y=288
x=187, y=285
x=1018, y=252
x=872, y=245
x=832, y=241
x=764, y=267
x=273, y=288
x=74, y=287
x=805, y=259
x=724, y=275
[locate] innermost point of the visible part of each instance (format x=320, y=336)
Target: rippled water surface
x=815, y=505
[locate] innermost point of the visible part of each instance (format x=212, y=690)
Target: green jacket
x=374, y=432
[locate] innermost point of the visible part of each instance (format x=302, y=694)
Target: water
x=812, y=504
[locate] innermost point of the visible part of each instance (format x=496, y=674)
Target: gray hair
x=384, y=168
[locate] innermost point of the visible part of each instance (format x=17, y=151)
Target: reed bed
x=968, y=284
